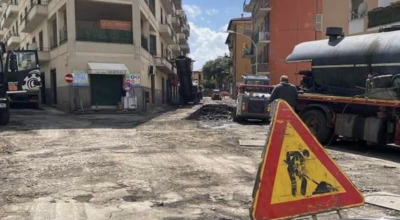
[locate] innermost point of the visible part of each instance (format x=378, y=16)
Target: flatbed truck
x=353, y=88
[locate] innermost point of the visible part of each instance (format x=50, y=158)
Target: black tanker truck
x=19, y=77
x=188, y=92
x=353, y=88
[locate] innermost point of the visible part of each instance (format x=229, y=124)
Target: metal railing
x=152, y=6
x=53, y=42
x=262, y=68
x=262, y=36
x=248, y=52
x=145, y=42
x=31, y=6
x=63, y=35
x=383, y=16
x=104, y=35
x=10, y=34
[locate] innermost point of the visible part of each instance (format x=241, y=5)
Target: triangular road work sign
x=297, y=177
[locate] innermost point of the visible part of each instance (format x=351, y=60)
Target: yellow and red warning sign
x=297, y=176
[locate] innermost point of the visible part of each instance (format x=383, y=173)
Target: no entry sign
x=128, y=87
x=297, y=176
x=69, y=78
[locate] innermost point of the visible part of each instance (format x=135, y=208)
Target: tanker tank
x=365, y=65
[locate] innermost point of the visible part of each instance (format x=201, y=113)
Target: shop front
x=106, y=81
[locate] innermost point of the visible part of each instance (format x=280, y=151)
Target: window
x=26, y=61
x=355, y=4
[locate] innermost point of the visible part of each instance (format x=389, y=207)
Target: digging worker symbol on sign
x=296, y=161
x=296, y=167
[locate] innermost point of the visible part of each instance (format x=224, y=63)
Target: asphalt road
x=158, y=166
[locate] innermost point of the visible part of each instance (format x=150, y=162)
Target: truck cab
x=20, y=80
x=252, y=102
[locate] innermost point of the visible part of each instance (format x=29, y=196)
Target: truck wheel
x=4, y=118
x=316, y=122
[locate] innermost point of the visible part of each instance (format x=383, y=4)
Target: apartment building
x=279, y=25
x=104, y=44
x=360, y=16
x=240, y=48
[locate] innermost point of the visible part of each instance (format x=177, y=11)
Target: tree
x=218, y=71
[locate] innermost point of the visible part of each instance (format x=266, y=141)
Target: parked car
x=216, y=95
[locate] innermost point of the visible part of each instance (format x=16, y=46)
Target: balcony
x=262, y=8
x=2, y=33
x=185, y=49
x=34, y=16
x=43, y=53
x=186, y=29
x=248, y=53
x=145, y=42
x=169, y=6
x=383, y=16
x=63, y=35
x=13, y=40
x=166, y=33
x=248, y=7
x=9, y=14
x=178, y=4
x=356, y=26
x=176, y=49
x=104, y=35
x=180, y=13
x=263, y=69
x=175, y=22
x=262, y=38
x=164, y=65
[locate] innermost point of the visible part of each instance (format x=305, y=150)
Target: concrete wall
x=292, y=22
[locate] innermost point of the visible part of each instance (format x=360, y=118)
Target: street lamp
x=254, y=43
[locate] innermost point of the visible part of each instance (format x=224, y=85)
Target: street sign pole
x=69, y=78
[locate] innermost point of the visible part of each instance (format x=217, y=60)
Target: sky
x=209, y=21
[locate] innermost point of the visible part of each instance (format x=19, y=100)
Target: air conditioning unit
x=319, y=26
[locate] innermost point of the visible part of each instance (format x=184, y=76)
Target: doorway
x=53, y=79
x=106, y=89
x=43, y=88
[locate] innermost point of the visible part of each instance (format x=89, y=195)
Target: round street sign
x=128, y=87
x=69, y=78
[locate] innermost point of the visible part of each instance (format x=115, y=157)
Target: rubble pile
x=213, y=113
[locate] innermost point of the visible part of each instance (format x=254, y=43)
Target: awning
x=108, y=68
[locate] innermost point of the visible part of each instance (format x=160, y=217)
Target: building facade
x=360, y=16
x=278, y=26
x=101, y=48
x=240, y=48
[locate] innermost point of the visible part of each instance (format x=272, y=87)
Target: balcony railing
x=152, y=6
x=31, y=6
x=53, y=42
x=263, y=68
x=11, y=34
x=383, y=16
x=63, y=35
x=104, y=35
x=262, y=37
x=164, y=65
x=248, y=53
x=145, y=42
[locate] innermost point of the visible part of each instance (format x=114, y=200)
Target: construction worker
x=285, y=91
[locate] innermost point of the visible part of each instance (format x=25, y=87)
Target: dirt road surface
x=160, y=166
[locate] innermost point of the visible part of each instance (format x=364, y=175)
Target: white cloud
x=206, y=44
x=224, y=28
x=212, y=11
x=193, y=11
